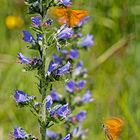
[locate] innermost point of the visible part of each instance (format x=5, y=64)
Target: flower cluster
x=64, y=66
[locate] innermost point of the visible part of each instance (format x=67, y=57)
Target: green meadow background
x=113, y=67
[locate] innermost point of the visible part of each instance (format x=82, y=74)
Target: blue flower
x=53, y=111
x=51, y=134
x=23, y=59
x=73, y=53
x=83, y=21
x=64, y=69
x=87, y=97
x=80, y=84
x=65, y=2
x=27, y=37
x=55, y=96
x=19, y=133
x=57, y=59
x=36, y=21
x=67, y=137
x=53, y=65
x=79, y=133
x=65, y=32
x=86, y=41
x=70, y=86
x=63, y=111
x=79, y=65
x=48, y=101
x=81, y=116
x=48, y=22
x=22, y=98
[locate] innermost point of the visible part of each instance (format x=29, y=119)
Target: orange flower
x=112, y=127
x=68, y=16
x=13, y=22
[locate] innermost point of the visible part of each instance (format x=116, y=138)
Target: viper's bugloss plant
x=64, y=66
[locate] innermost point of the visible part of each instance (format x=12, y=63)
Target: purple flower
x=81, y=116
x=55, y=96
x=65, y=33
x=51, y=134
x=36, y=21
x=87, y=97
x=53, y=111
x=48, y=101
x=48, y=22
x=65, y=2
x=19, y=133
x=67, y=137
x=23, y=59
x=21, y=97
x=79, y=69
x=64, y=69
x=57, y=59
x=27, y=37
x=79, y=133
x=70, y=86
x=83, y=21
x=80, y=84
x=86, y=41
x=79, y=65
x=63, y=111
x=73, y=54
x=53, y=65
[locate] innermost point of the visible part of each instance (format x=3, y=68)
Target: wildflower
x=65, y=32
x=51, y=134
x=73, y=54
x=23, y=59
x=13, y=22
x=53, y=65
x=55, y=96
x=79, y=70
x=83, y=21
x=27, y=37
x=64, y=69
x=65, y=2
x=87, y=97
x=81, y=116
x=19, y=133
x=48, y=101
x=79, y=133
x=71, y=86
x=80, y=84
x=86, y=41
x=78, y=35
x=22, y=98
x=67, y=137
x=48, y=22
x=36, y=21
x=63, y=111
x=36, y=62
x=53, y=111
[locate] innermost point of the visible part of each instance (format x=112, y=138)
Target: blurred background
x=113, y=64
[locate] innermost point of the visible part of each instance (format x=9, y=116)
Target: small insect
x=68, y=16
x=112, y=127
